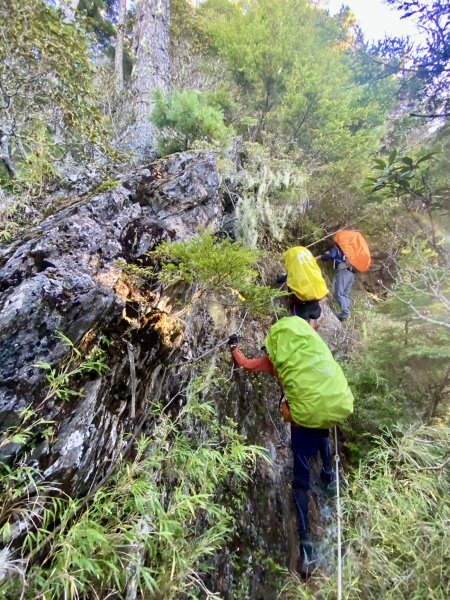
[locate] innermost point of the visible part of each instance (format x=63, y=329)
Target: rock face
x=65, y=277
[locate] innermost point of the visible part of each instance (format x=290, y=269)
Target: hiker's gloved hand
x=281, y=278
x=233, y=341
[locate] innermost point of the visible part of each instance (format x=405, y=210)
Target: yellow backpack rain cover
x=304, y=277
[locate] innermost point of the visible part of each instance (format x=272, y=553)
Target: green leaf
x=425, y=158
x=392, y=157
x=380, y=163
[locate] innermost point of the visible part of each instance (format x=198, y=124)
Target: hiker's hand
x=317, y=257
x=233, y=341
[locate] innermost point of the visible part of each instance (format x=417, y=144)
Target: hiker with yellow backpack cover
x=305, y=282
x=350, y=254
x=317, y=397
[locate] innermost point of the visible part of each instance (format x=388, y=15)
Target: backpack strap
x=286, y=411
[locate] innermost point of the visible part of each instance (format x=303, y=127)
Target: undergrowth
x=75, y=364
x=396, y=513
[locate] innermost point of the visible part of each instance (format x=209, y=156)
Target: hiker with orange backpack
x=349, y=255
x=316, y=396
x=305, y=282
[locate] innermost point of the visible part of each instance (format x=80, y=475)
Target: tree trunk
x=4, y=154
x=69, y=8
x=118, y=61
x=151, y=70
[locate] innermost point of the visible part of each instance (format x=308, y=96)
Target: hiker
x=349, y=255
x=316, y=396
x=343, y=279
x=305, y=282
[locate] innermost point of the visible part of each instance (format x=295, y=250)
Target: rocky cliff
x=67, y=276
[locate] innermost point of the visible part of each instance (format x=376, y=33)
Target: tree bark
x=118, y=60
x=4, y=154
x=69, y=8
x=151, y=70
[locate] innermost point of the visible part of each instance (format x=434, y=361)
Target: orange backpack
x=355, y=248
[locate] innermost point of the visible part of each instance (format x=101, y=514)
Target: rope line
x=339, y=516
x=330, y=234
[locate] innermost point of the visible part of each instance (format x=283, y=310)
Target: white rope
x=339, y=516
x=330, y=234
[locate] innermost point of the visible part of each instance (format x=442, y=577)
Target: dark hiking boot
x=306, y=562
x=328, y=480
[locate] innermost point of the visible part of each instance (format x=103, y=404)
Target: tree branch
x=437, y=468
x=430, y=116
x=418, y=314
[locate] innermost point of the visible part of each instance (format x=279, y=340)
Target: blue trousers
x=306, y=443
x=343, y=282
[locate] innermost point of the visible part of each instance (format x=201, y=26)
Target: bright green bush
x=186, y=117
x=215, y=266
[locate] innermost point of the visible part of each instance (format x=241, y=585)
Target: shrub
x=184, y=118
x=213, y=265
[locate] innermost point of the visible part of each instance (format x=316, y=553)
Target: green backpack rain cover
x=313, y=383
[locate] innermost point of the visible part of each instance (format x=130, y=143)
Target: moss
x=106, y=186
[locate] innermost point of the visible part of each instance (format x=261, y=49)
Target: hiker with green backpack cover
x=317, y=396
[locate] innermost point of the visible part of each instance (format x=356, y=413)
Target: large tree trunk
x=119, y=45
x=151, y=70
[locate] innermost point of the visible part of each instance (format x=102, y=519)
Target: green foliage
x=98, y=14
x=23, y=498
x=396, y=514
x=289, y=61
x=298, y=78
x=422, y=289
x=106, y=186
x=136, y=272
x=401, y=176
x=29, y=427
x=213, y=265
x=402, y=374
x=9, y=219
x=60, y=379
x=156, y=523
x=184, y=118
x=39, y=154
x=46, y=86
x=379, y=386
